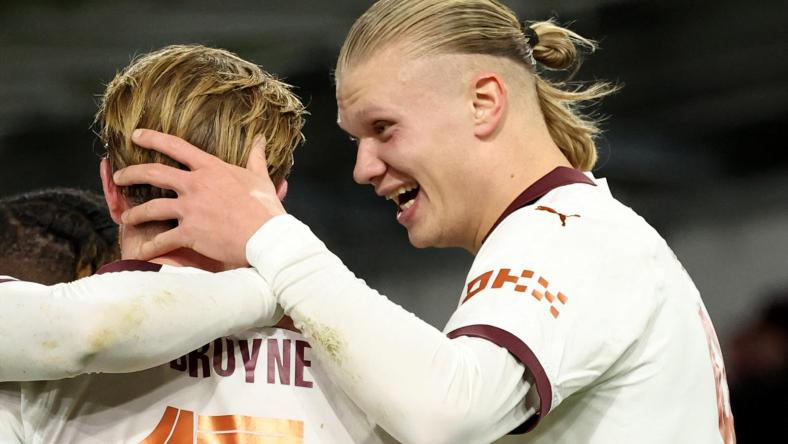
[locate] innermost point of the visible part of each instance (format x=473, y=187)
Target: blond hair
x=210, y=97
x=427, y=27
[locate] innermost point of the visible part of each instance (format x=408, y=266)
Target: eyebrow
x=361, y=113
x=367, y=110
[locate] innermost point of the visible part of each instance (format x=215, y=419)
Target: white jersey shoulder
x=605, y=317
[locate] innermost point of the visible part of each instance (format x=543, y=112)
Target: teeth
x=407, y=204
x=399, y=191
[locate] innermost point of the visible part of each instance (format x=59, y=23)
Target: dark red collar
x=559, y=177
x=128, y=265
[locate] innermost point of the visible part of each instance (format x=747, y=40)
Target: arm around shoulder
x=405, y=374
x=123, y=322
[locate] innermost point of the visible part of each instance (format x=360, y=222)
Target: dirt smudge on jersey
x=123, y=322
x=165, y=299
x=49, y=345
x=101, y=339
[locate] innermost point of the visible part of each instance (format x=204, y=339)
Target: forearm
x=122, y=322
x=407, y=375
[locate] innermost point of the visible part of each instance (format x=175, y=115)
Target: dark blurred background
x=692, y=141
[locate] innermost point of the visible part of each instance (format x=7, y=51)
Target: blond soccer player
x=253, y=385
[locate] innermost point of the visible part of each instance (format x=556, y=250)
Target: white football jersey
x=261, y=386
x=592, y=300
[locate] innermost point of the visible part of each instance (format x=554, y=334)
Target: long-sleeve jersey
x=575, y=314
x=123, y=322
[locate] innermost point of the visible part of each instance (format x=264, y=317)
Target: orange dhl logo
x=184, y=427
x=520, y=283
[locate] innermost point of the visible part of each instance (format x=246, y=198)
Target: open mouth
x=404, y=197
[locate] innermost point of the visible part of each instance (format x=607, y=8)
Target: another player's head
x=209, y=97
x=55, y=235
x=447, y=103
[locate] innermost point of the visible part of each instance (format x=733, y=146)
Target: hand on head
x=219, y=205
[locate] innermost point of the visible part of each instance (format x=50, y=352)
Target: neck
x=131, y=237
x=520, y=162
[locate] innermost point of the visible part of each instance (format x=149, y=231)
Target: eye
x=381, y=126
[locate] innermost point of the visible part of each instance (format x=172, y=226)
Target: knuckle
x=147, y=208
x=156, y=171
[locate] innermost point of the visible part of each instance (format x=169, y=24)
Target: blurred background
x=692, y=141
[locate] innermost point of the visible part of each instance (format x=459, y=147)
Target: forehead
x=381, y=69
x=392, y=78
x=368, y=87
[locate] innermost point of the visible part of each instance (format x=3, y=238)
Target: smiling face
x=413, y=122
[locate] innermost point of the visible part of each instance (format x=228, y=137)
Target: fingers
x=152, y=211
x=172, y=146
x=162, y=243
x=257, y=163
x=156, y=174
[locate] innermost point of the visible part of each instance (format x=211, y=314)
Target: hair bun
x=559, y=48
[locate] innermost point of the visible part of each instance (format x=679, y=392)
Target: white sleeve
x=11, y=413
x=406, y=375
x=123, y=322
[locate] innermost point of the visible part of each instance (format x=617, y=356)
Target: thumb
x=257, y=163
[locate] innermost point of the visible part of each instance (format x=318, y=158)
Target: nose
x=369, y=167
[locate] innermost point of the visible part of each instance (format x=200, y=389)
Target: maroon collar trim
x=559, y=177
x=128, y=265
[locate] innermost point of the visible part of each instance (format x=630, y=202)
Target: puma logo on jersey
x=561, y=216
x=179, y=426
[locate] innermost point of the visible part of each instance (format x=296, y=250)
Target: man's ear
x=115, y=200
x=281, y=189
x=490, y=101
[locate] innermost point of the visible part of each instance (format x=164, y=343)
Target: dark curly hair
x=55, y=235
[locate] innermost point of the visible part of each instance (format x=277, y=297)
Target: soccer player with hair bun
x=576, y=323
